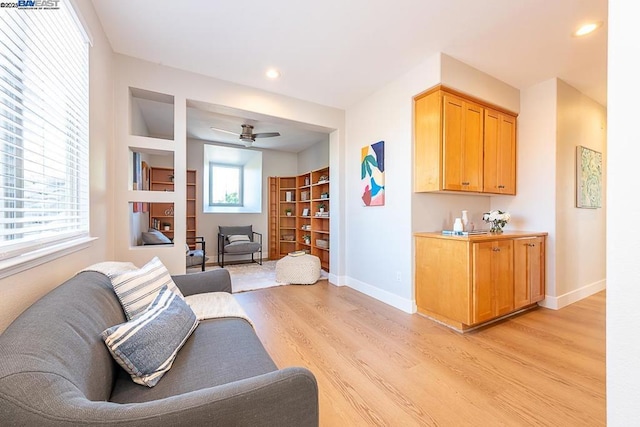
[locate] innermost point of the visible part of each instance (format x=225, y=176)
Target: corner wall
x=21, y=290
x=580, y=233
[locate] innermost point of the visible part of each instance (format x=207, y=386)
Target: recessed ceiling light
x=272, y=73
x=587, y=28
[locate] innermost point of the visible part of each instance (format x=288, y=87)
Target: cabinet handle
x=465, y=183
x=500, y=186
x=496, y=249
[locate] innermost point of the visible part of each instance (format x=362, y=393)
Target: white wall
x=580, y=233
x=274, y=163
x=183, y=85
x=623, y=237
x=314, y=157
x=21, y=290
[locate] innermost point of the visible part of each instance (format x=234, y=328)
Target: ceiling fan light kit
x=247, y=135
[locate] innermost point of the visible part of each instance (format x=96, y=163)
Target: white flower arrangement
x=496, y=219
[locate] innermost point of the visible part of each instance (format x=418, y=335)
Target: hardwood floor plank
x=376, y=365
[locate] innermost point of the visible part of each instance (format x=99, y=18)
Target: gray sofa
x=56, y=371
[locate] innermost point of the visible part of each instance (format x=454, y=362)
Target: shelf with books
x=161, y=214
x=303, y=194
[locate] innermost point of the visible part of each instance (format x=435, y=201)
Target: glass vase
x=495, y=227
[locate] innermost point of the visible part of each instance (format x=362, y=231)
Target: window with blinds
x=44, y=119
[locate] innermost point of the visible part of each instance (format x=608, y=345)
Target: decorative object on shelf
x=289, y=196
x=321, y=207
x=287, y=211
x=169, y=211
x=323, y=179
x=307, y=239
x=457, y=226
x=322, y=243
x=305, y=212
x=304, y=196
x=372, y=174
x=166, y=226
x=465, y=221
x=171, y=177
x=306, y=180
x=589, y=178
x=324, y=195
x=496, y=219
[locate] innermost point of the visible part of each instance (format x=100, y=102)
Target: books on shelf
x=323, y=214
x=297, y=253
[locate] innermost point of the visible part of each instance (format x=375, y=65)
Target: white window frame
x=240, y=170
x=37, y=113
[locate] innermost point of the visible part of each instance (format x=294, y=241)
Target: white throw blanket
x=111, y=268
x=212, y=305
x=209, y=305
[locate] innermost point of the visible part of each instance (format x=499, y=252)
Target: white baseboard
x=406, y=305
x=556, y=303
x=337, y=280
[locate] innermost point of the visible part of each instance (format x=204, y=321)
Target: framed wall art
x=588, y=178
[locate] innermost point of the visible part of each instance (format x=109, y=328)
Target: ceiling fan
x=247, y=135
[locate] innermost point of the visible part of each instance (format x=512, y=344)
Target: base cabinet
x=492, y=279
x=465, y=281
x=529, y=271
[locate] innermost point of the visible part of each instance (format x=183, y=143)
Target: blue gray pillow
x=147, y=345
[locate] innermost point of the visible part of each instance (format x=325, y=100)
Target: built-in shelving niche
x=151, y=114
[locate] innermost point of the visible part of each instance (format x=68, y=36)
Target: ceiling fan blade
x=225, y=131
x=266, y=134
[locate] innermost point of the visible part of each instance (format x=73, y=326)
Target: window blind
x=44, y=119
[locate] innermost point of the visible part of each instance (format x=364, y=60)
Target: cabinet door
x=499, y=153
x=482, y=287
x=492, y=279
x=462, y=141
x=528, y=271
x=502, y=275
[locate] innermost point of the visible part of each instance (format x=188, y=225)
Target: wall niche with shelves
x=307, y=228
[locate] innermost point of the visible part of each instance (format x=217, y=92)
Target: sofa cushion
x=146, y=346
x=218, y=352
x=234, y=230
x=242, y=247
x=138, y=288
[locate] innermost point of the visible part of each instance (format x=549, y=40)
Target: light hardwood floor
x=376, y=365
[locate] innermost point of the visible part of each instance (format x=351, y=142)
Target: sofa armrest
x=203, y=281
x=284, y=398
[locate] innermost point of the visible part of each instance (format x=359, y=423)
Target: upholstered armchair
x=239, y=240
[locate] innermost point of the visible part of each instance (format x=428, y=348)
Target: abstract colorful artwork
x=589, y=178
x=372, y=174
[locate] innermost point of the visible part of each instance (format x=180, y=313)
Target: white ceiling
x=336, y=52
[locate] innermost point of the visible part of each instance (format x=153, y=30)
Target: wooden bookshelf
x=306, y=228
x=161, y=215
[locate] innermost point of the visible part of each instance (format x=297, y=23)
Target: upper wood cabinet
x=462, y=144
x=499, y=152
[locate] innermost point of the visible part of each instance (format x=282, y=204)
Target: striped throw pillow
x=146, y=346
x=137, y=289
x=238, y=238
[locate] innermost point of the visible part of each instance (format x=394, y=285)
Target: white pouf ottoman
x=298, y=270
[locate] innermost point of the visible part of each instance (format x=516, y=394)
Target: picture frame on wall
x=588, y=178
